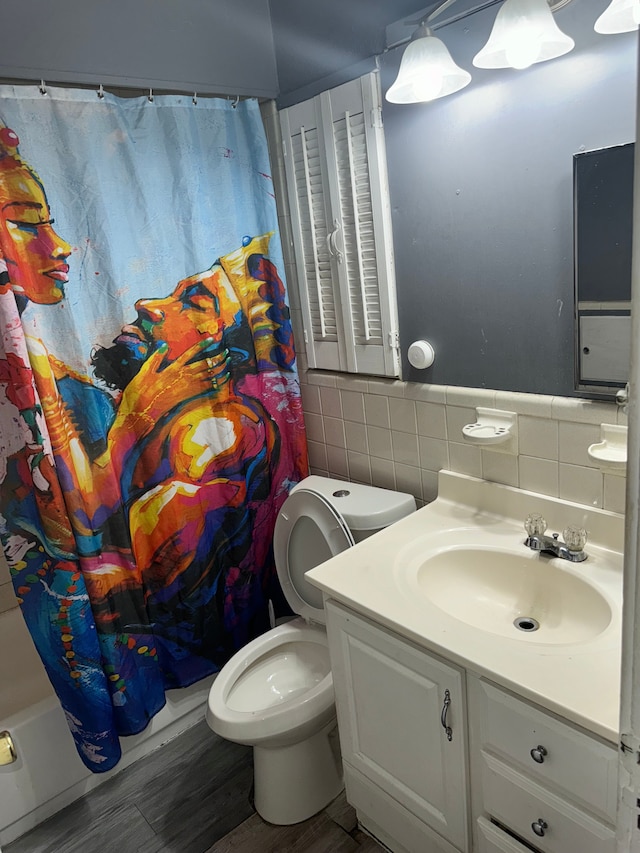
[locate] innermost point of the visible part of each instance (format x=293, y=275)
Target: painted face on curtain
x=200, y=307
x=34, y=254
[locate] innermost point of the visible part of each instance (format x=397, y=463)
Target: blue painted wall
x=208, y=45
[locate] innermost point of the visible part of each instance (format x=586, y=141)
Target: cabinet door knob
x=538, y=753
x=443, y=715
x=539, y=826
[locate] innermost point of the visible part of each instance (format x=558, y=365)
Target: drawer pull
x=443, y=715
x=539, y=826
x=538, y=754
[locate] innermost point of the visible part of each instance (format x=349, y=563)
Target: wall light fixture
x=524, y=33
x=621, y=16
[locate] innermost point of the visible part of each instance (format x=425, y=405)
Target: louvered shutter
x=347, y=259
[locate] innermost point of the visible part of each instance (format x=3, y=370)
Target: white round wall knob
x=421, y=355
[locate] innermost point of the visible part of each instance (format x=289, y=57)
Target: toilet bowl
x=276, y=693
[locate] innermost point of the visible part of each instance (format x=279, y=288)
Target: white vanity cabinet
x=402, y=723
x=523, y=779
x=546, y=782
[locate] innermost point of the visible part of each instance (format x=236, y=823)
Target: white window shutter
x=347, y=259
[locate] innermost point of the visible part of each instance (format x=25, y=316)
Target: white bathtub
x=48, y=774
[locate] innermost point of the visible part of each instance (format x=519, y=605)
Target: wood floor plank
x=342, y=813
x=121, y=828
x=319, y=834
x=366, y=843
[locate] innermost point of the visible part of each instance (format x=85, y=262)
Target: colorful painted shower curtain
x=150, y=418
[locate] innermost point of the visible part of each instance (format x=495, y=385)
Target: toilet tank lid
x=362, y=507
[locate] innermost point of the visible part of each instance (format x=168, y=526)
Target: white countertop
x=579, y=681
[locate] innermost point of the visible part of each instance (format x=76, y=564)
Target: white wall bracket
x=494, y=430
x=610, y=453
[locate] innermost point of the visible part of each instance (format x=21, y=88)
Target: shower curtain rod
x=128, y=91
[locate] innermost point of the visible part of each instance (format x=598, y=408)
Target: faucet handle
x=535, y=524
x=575, y=538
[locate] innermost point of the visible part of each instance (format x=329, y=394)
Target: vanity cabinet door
x=401, y=720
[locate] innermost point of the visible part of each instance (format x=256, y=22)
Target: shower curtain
x=150, y=417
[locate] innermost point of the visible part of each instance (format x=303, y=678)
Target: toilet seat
x=283, y=718
x=308, y=531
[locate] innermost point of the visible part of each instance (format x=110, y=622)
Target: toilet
x=276, y=693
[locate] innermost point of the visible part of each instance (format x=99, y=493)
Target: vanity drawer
x=519, y=804
x=492, y=839
x=576, y=764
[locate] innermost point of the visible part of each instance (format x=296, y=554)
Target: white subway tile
x=582, y=485
x=434, y=453
x=574, y=441
x=432, y=420
x=403, y=415
x=383, y=473
x=470, y=397
x=317, y=455
x=315, y=428
x=457, y=417
x=500, y=468
x=538, y=475
x=348, y=382
x=387, y=387
x=352, y=406
x=405, y=448
x=380, y=442
x=356, y=437
x=310, y=399
x=535, y=405
x=320, y=472
x=334, y=432
x=429, y=486
x=376, y=410
x=359, y=467
x=337, y=462
x=408, y=479
x=330, y=404
x=465, y=459
x=426, y=393
x=583, y=411
x=614, y=493
x=318, y=377
x=538, y=437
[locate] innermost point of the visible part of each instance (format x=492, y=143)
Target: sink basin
x=520, y=596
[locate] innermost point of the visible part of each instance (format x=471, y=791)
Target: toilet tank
x=366, y=509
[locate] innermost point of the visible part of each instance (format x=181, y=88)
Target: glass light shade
x=426, y=72
x=524, y=32
x=621, y=16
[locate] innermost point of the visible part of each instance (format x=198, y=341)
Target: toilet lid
x=308, y=531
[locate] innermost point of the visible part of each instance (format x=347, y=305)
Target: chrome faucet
x=571, y=549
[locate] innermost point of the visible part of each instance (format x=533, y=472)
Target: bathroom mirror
x=603, y=212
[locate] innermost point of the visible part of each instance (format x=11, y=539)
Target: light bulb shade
x=621, y=16
x=426, y=72
x=524, y=33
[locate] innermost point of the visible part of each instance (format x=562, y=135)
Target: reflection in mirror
x=603, y=212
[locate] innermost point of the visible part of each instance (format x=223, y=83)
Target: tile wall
x=398, y=435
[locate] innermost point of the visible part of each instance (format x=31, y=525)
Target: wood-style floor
x=190, y=796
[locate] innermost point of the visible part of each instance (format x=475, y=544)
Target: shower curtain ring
x=43, y=88
x=195, y=98
x=100, y=91
x=236, y=102
x=150, y=96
